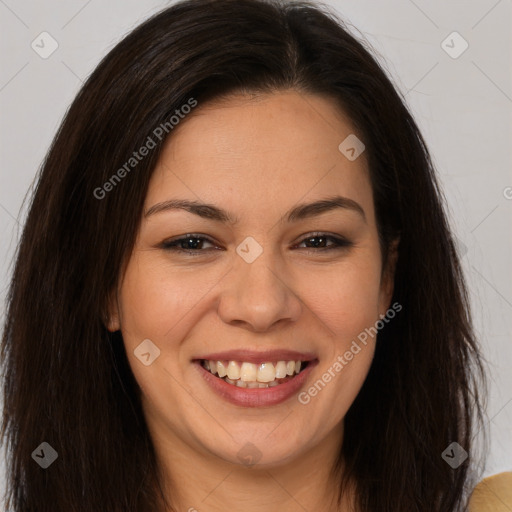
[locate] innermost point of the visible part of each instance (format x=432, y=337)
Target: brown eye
x=322, y=241
x=191, y=243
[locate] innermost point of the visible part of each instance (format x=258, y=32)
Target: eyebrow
x=300, y=212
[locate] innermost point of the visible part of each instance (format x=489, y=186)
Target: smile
x=245, y=374
x=249, y=378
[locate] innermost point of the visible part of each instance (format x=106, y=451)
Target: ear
x=387, y=283
x=112, y=320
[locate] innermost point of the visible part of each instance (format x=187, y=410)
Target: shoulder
x=493, y=494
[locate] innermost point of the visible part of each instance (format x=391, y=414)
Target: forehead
x=263, y=150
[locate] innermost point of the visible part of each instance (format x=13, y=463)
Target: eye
x=194, y=244
x=190, y=243
x=319, y=242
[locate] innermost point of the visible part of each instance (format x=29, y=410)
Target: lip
x=251, y=356
x=255, y=397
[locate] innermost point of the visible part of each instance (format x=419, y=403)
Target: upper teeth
x=250, y=372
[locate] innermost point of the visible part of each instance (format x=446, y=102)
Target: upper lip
x=257, y=357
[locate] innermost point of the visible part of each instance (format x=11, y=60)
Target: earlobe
x=111, y=321
x=112, y=324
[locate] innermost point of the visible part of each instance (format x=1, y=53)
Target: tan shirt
x=493, y=494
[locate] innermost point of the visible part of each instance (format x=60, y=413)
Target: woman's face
x=264, y=282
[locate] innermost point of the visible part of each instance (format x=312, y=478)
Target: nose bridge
x=257, y=295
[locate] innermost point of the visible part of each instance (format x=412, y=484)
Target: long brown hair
x=67, y=381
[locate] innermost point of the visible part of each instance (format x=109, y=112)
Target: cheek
x=157, y=299
x=345, y=302
x=344, y=298
x=163, y=304
x=158, y=304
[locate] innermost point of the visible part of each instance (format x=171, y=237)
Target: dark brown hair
x=67, y=379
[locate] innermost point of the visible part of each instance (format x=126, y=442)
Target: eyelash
x=172, y=245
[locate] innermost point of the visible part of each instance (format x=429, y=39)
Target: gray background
x=463, y=106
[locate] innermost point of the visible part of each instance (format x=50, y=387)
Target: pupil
x=193, y=243
x=320, y=241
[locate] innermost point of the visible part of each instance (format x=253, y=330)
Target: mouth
x=245, y=374
x=256, y=379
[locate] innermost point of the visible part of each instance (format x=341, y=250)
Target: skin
x=256, y=157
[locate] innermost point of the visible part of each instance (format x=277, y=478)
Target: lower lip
x=256, y=397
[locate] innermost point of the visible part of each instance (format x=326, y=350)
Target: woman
x=236, y=286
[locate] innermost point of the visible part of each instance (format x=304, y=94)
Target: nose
x=257, y=296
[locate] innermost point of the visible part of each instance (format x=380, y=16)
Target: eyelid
x=340, y=242
x=325, y=234
x=179, y=238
